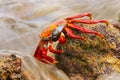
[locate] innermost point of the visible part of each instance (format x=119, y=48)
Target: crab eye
x=55, y=36
x=56, y=33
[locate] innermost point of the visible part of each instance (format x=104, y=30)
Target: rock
x=16, y=65
x=11, y=68
x=112, y=35
x=116, y=50
x=87, y=60
x=20, y=38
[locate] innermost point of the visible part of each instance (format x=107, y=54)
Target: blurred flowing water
x=21, y=21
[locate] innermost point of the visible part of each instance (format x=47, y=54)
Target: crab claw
x=41, y=54
x=48, y=58
x=38, y=55
x=62, y=39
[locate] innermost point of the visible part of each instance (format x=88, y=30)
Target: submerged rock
x=87, y=60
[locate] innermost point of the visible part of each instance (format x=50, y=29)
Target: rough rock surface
x=116, y=50
x=10, y=68
x=87, y=60
x=112, y=36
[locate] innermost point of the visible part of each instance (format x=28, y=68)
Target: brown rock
x=10, y=68
x=87, y=60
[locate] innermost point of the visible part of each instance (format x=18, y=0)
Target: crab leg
x=44, y=52
x=41, y=53
x=72, y=35
x=80, y=28
x=59, y=22
x=54, y=51
x=38, y=55
x=90, y=21
x=80, y=16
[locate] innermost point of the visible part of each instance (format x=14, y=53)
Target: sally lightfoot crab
x=56, y=32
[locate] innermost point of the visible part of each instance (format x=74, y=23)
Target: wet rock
x=87, y=60
x=16, y=65
x=11, y=68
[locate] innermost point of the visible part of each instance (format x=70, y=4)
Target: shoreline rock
x=11, y=68
x=87, y=60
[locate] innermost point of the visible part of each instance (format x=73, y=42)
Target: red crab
x=55, y=32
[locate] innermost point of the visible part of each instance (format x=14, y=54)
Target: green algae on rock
x=87, y=60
